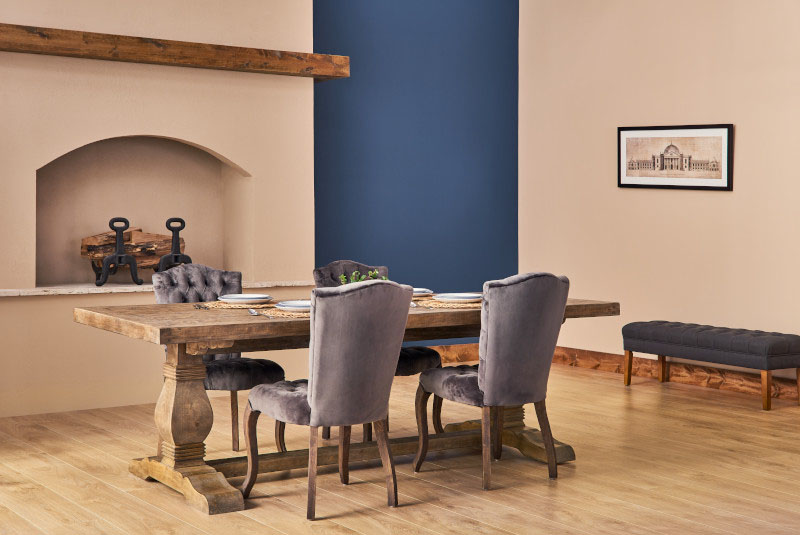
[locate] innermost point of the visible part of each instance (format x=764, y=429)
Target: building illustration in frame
x=701, y=160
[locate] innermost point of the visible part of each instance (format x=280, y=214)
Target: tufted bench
x=757, y=350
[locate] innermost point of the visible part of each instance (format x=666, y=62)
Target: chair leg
x=235, y=420
x=312, y=472
x=497, y=433
x=798, y=394
x=547, y=438
x=421, y=406
x=367, y=433
x=437, y=414
x=486, y=445
x=627, y=367
x=663, y=370
x=280, y=435
x=344, y=454
x=766, y=389
x=251, y=442
x=326, y=433
x=382, y=434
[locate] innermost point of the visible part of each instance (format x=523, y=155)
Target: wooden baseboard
x=688, y=374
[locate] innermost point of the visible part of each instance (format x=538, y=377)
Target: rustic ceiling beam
x=111, y=47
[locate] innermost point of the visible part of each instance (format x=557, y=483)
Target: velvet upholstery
x=521, y=317
x=455, y=383
x=285, y=401
x=736, y=347
x=328, y=276
x=194, y=283
x=241, y=373
x=413, y=359
x=356, y=333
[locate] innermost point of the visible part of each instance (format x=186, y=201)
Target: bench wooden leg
x=766, y=389
x=628, y=366
x=663, y=369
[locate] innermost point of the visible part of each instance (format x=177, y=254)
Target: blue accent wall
x=416, y=153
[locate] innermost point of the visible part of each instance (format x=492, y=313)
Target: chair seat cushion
x=414, y=360
x=721, y=345
x=241, y=373
x=285, y=401
x=455, y=383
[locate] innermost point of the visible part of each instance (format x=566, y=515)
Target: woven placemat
x=220, y=304
x=278, y=313
x=432, y=303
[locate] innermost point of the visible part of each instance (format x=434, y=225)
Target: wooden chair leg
x=547, y=438
x=344, y=454
x=497, y=433
x=486, y=445
x=251, y=443
x=326, y=433
x=798, y=393
x=382, y=434
x=421, y=407
x=158, y=448
x=663, y=369
x=437, y=414
x=367, y=433
x=280, y=435
x=312, y=472
x=627, y=367
x=766, y=389
x=235, y=420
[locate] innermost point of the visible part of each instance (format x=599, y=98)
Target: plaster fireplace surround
x=85, y=140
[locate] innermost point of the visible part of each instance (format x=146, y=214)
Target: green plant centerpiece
x=356, y=276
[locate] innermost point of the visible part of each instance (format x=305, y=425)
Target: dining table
x=183, y=414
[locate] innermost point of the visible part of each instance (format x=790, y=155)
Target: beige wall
x=50, y=106
x=587, y=67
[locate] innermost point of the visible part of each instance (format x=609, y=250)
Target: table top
x=183, y=323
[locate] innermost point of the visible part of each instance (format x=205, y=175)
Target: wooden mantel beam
x=111, y=47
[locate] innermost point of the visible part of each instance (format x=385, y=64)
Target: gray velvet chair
x=521, y=317
x=413, y=360
x=356, y=333
x=194, y=283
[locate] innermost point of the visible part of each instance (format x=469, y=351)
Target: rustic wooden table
x=183, y=413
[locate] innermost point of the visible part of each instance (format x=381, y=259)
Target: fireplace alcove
x=146, y=179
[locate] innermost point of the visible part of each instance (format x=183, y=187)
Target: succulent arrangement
x=356, y=276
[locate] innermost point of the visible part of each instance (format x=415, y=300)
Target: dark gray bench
x=757, y=350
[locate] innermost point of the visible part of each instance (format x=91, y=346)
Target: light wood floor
x=652, y=458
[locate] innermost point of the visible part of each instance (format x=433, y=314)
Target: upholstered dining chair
x=194, y=283
x=412, y=361
x=356, y=333
x=521, y=317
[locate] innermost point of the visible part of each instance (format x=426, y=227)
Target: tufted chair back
x=356, y=333
x=328, y=276
x=521, y=317
x=196, y=283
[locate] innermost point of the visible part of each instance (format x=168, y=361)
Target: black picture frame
x=655, y=182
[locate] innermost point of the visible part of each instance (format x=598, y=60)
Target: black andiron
x=175, y=257
x=112, y=262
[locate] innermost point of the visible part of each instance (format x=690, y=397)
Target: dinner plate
x=245, y=299
x=297, y=305
x=470, y=297
x=422, y=292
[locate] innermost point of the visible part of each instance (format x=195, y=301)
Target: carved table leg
x=183, y=418
x=515, y=434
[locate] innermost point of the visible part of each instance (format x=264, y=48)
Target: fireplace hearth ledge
x=111, y=288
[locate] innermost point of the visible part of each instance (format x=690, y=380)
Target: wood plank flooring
x=652, y=459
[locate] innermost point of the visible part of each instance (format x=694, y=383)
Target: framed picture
x=676, y=157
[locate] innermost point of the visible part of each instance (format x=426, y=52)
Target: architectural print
x=684, y=157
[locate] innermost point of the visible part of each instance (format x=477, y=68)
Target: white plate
x=246, y=299
x=298, y=305
x=459, y=297
x=422, y=292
